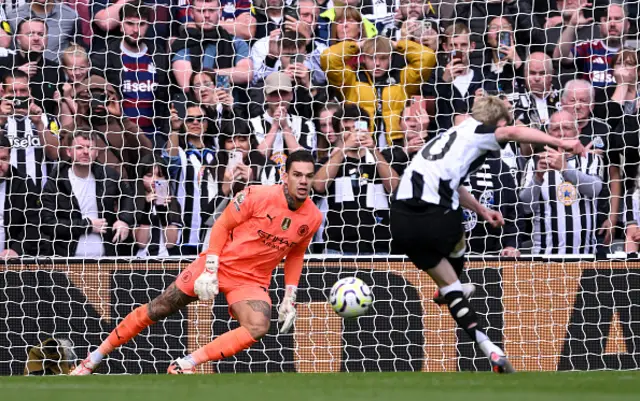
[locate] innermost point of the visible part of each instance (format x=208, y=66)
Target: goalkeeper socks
x=128, y=328
x=226, y=345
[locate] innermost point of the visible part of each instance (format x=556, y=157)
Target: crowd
x=128, y=125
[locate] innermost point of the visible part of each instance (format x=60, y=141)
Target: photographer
x=158, y=215
x=120, y=143
x=356, y=179
x=32, y=134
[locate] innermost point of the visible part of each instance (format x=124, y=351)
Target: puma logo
x=270, y=218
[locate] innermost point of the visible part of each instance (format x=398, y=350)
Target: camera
x=19, y=102
x=291, y=11
x=98, y=99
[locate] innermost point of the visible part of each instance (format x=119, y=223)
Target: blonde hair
x=378, y=45
x=74, y=50
x=490, y=110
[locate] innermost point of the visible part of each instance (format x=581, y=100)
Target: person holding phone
x=505, y=63
x=594, y=58
x=158, y=214
x=452, y=88
x=217, y=102
x=189, y=151
x=237, y=165
x=356, y=181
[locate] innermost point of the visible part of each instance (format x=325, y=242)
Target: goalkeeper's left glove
x=287, y=309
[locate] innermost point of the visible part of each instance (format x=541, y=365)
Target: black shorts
x=427, y=234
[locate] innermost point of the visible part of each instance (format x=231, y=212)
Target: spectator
x=205, y=46
x=269, y=15
x=415, y=125
x=541, y=98
x=86, y=209
x=236, y=19
x=616, y=100
x=505, y=63
x=62, y=23
x=378, y=89
x=121, y=145
x=414, y=19
x=216, y=102
x=348, y=24
x=158, y=216
x=32, y=134
x=267, y=53
x=138, y=70
x=578, y=99
x=562, y=193
x=19, y=203
x=593, y=58
x=342, y=13
x=189, y=151
x=624, y=144
x=278, y=132
x=75, y=69
x=452, y=88
x=476, y=15
x=237, y=164
x=5, y=28
x=357, y=180
x=44, y=76
x=168, y=16
x=324, y=127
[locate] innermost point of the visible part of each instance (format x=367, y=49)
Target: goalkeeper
x=261, y=226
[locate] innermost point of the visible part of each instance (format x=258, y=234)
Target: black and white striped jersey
x=443, y=164
x=27, y=151
x=564, y=206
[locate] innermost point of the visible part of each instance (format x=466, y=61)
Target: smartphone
x=291, y=11
x=361, y=126
x=223, y=82
x=300, y=58
x=455, y=55
x=418, y=102
x=235, y=158
x=162, y=191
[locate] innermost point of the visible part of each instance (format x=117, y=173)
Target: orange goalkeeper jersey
x=263, y=232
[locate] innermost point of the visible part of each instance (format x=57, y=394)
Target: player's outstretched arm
x=534, y=136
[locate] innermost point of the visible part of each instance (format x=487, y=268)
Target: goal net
x=128, y=126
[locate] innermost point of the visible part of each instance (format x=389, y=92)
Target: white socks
x=96, y=357
x=456, y=286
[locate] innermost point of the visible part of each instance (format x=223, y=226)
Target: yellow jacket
x=360, y=89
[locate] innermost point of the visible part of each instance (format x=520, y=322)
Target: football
x=350, y=297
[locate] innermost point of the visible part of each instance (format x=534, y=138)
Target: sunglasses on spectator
x=194, y=119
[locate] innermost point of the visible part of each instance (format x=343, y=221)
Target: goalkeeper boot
x=181, y=367
x=500, y=363
x=85, y=368
x=468, y=290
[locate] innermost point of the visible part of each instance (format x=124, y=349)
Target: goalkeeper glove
x=287, y=309
x=206, y=285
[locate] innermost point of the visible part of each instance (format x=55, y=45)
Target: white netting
x=128, y=126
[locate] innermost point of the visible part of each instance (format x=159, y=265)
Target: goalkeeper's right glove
x=206, y=285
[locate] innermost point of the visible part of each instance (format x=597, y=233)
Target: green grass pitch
x=619, y=386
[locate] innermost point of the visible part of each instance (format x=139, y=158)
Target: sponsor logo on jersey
x=24, y=142
x=274, y=241
x=141, y=86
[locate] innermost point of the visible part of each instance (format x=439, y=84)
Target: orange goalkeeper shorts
x=235, y=289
